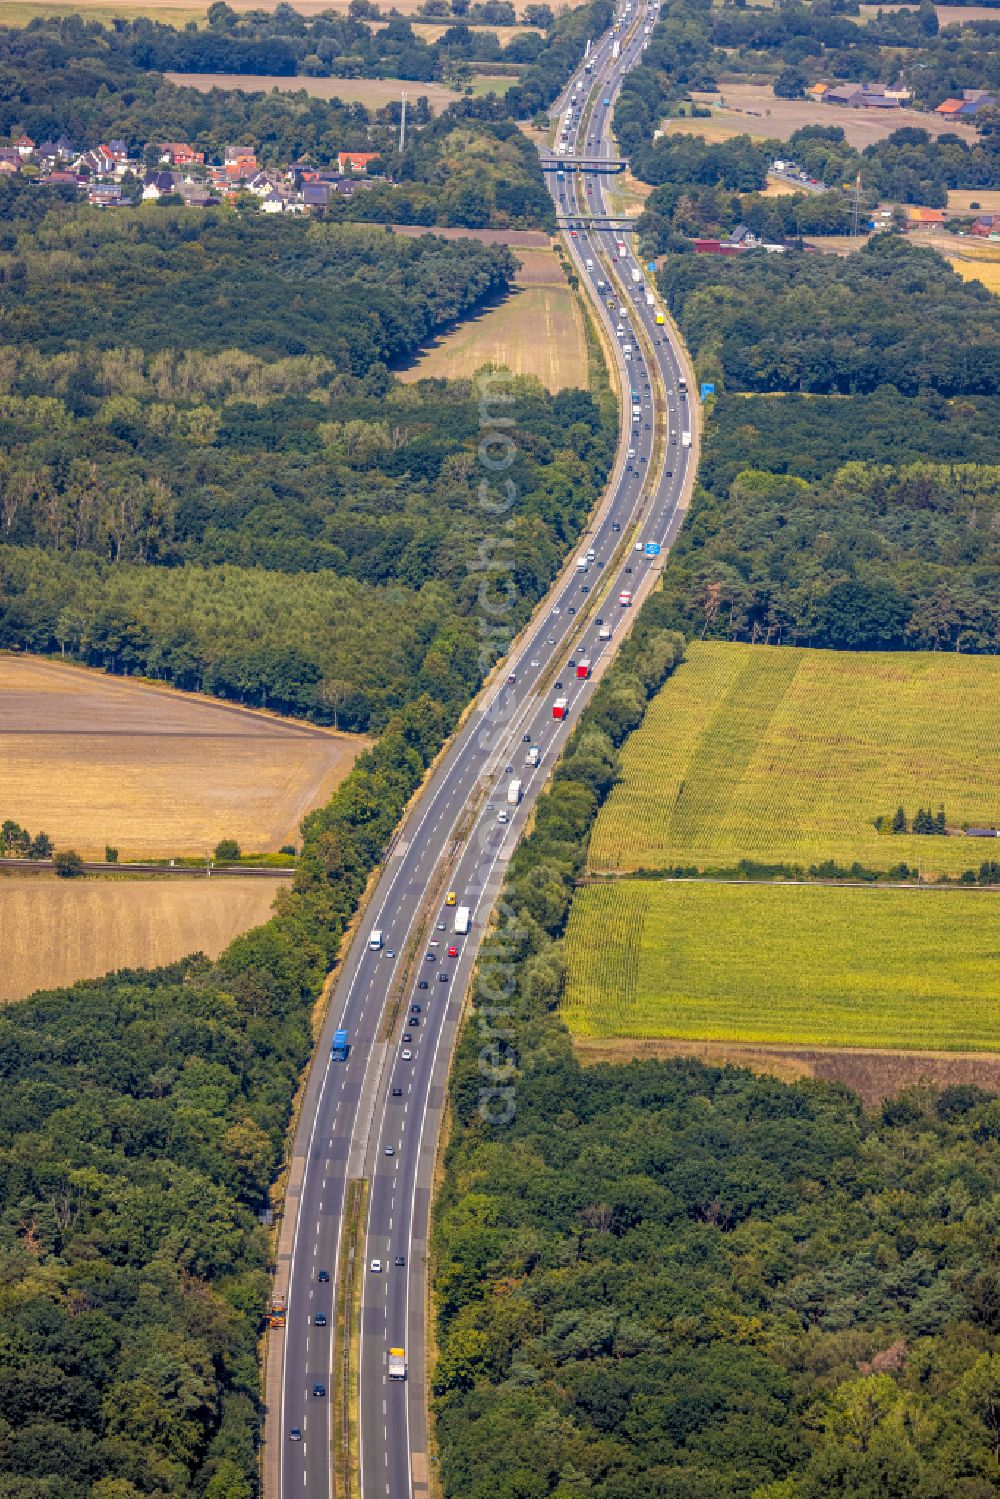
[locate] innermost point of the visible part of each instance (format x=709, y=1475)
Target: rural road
x=377, y=1115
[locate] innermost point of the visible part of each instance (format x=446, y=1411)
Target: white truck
x=685, y=439
x=604, y=633
x=589, y=263
x=650, y=299
x=397, y=1363
x=581, y=564
x=462, y=917
x=534, y=755
x=636, y=275
x=375, y=941
x=513, y=793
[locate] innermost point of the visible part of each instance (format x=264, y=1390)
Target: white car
x=376, y=1267
x=406, y=1054
x=501, y=817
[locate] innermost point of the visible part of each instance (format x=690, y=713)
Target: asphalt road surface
x=377, y=1114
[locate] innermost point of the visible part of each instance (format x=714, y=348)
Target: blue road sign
x=652, y=548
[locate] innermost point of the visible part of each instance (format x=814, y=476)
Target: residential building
x=987, y=226
x=355, y=161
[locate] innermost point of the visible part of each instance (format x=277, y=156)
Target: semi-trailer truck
x=636, y=276
x=685, y=439
x=514, y=793
x=397, y=1363
x=604, y=633
x=462, y=917
x=340, y=1047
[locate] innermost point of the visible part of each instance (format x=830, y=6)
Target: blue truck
x=340, y=1047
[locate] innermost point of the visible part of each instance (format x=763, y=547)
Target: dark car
x=323, y=1277
x=414, y=1009
x=320, y=1319
x=599, y=620
x=571, y=610
x=442, y=978
x=526, y=739
x=558, y=686
x=397, y=1092
x=615, y=526
x=407, y=1038
x=429, y=957
x=571, y=665
x=422, y=984
x=401, y=1259
x=414, y=1020
x=295, y=1435
x=319, y=1389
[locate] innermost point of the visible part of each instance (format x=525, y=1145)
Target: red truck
x=583, y=669
x=559, y=708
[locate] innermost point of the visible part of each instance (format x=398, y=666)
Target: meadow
x=373, y=93
x=92, y=759
x=805, y=965
x=536, y=330
x=785, y=755
x=54, y=932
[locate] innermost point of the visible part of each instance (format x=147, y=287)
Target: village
x=108, y=175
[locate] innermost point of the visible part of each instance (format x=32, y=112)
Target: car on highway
x=407, y=1054
x=452, y=953
x=422, y=984
x=319, y=1320
x=376, y=1267
x=400, y=1259
x=571, y=610
x=429, y=958
x=323, y=1277
x=615, y=526
x=525, y=738
x=295, y=1435
x=406, y=1040
x=535, y=663
x=319, y=1390
x=442, y=978
x=397, y=1092
x=415, y=1009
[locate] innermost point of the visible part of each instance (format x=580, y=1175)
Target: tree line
x=667, y=1278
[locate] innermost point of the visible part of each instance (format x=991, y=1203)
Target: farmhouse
x=987, y=226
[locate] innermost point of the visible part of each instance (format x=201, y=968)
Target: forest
x=893, y=314
x=861, y=516
x=243, y=498
x=669, y=1279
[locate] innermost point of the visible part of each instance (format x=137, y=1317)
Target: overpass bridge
x=599, y=165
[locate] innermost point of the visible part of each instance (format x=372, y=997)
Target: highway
x=377, y=1114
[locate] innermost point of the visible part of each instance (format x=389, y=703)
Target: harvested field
x=518, y=239
x=781, y=754
x=537, y=330
x=778, y=187
x=873, y=1075
x=93, y=759
x=806, y=965
x=988, y=200
x=752, y=109
x=54, y=932
x=373, y=93
x=948, y=15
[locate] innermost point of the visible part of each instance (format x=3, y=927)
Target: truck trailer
x=397, y=1363
x=462, y=917
x=514, y=793
x=559, y=708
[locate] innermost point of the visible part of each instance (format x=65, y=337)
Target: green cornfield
x=786, y=755
x=803, y=964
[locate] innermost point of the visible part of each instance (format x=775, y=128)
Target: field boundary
x=873, y=1073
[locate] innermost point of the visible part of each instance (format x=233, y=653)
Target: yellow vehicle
x=450, y=898
x=660, y=318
